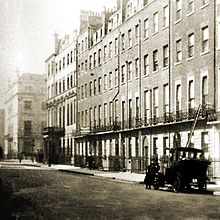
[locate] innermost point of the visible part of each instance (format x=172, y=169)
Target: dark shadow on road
x=5, y=196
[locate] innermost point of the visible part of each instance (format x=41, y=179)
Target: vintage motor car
x=188, y=168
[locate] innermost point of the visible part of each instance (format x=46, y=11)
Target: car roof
x=188, y=149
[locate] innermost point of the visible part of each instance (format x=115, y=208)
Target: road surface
x=36, y=193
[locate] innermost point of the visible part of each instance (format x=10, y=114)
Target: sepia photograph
x=110, y=109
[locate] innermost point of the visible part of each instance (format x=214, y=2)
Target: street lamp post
x=49, y=151
x=32, y=150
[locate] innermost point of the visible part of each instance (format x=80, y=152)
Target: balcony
x=168, y=117
x=207, y=113
x=58, y=131
x=210, y=113
x=103, y=128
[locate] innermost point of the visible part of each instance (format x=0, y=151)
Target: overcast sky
x=27, y=28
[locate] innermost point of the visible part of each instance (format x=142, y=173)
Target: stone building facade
x=2, y=131
x=142, y=72
x=25, y=115
x=61, y=100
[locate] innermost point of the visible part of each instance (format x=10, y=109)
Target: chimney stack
x=56, y=43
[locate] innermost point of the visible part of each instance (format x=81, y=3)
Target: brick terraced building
x=142, y=70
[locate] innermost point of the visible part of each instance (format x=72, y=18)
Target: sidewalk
x=213, y=186
x=122, y=176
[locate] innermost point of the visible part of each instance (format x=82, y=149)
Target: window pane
x=156, y=22
x=146, y=27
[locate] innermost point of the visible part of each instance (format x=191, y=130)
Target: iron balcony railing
x=54, y=131
x=207, y=113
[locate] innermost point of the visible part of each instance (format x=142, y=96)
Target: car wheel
x=202, y=185
x=177, y=184
x=156, y=186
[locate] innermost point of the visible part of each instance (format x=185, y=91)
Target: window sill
x=177, y=21
x=165, y=68
x=156, y=71
x=146, y=38
x=129, y=48
x=203, y=6
x=165, y=27
x=177, y=63
x=155, y=33
x=146, y=75
x=190, y=58
x=190, y=13
x=204, y=53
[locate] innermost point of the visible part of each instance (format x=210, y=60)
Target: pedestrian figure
x=90, y=162
x=151, y=173
x=148, y=180
x=20, y=157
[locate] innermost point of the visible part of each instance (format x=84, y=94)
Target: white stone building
x=25, y=115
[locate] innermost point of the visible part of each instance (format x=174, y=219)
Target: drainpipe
x=118, y=91
x=151, y=112
x=214, y=72
x=76, y=107
x=169, y=43
x=126, y=85
x=76, y=75
x=140, y=95
x=140, y=78
x=214, y=51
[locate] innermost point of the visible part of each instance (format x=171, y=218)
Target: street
x=36, y=193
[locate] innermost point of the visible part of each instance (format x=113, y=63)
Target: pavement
x=213, y=186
